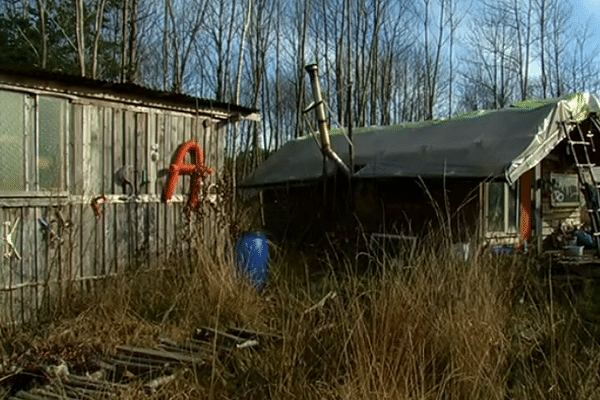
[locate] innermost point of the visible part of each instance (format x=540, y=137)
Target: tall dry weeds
x=422, y=327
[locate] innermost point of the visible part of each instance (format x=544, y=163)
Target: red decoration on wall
x=526, y=214
x=96, y=203
x=197, y=170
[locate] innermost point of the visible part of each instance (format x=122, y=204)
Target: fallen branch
x=321, y=303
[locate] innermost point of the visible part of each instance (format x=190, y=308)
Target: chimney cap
x=311, y=67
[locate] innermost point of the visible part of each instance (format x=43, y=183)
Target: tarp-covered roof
x=502, y=143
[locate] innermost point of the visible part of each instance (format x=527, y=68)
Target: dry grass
x=439, y=328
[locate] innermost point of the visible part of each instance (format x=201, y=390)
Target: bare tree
x=455, y=18
x=166, y=44
x=432, y=61
x=97, y=33
x=124, y=40
x=133, y=37
x=581, y=63
x=278, y=115
x=223, y=23
x=407, y=60
x=80, y=36
x=259, y=41
x=238, y=82
x=302, y=19
x=42, y=12
x=559, y=12
x=522, y=27
x=542, y=9
x=492, y=52
x=185, y=25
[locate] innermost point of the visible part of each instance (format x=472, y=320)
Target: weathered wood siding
x=558, y=161
x=134, y=226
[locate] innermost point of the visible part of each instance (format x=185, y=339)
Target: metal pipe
x=319, y=106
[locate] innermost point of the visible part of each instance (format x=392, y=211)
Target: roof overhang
x=80, y=88
x=568, y=112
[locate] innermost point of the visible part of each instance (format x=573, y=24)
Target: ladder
x=580, y=142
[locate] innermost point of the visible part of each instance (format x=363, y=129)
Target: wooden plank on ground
x=159, y=354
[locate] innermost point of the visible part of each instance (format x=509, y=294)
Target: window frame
x=507, y=229
x=31, y=150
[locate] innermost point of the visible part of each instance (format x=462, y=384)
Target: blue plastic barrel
x=252, y=258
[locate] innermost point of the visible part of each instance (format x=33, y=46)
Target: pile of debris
x=114, y=374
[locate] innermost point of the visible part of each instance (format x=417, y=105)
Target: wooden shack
x=503, y=177
x=83, y=166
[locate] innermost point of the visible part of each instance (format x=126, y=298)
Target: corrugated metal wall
x=62, y=244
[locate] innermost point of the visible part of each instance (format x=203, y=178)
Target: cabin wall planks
x=113, y=149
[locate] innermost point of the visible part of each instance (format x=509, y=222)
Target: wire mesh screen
x=12, y=139
x=51, y=119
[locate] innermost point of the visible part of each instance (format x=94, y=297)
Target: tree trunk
x=166, y=45
x=42, y=11
x=79, y=34
x=542, y=23
x=278, y=120
x=238, y=82
x=98, y=30
x=124, y=40
x=132, y=69
x=303, y=25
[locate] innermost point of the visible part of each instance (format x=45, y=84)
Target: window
x=33, y=131
x=52, y=117
x=501, y=210
x=565, y=190
x=12, y=141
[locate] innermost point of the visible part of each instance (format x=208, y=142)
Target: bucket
x=252, y=258
x=573, y=251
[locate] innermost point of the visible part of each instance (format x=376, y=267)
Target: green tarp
x=502, y=143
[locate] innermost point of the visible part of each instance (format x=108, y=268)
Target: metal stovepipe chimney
x=319, y=106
